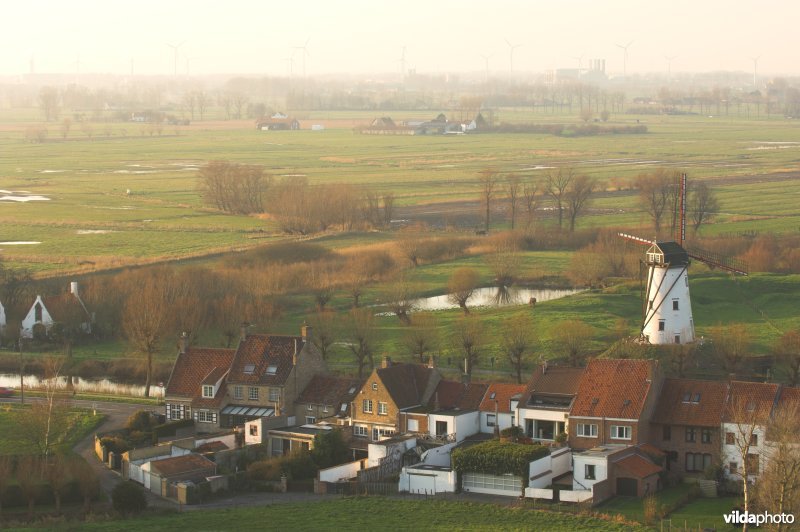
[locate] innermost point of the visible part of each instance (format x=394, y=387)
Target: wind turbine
x=486, y=60
x=625, y=58
x=175, y=50
x=511, y=48
x=579, y=58
x=290, y=61
x=669, y=59
x=304, y=53
x=755, y=70
x=402, y=62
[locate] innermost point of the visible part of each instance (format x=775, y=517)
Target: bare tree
x=530, y=200
x=586, y=114
x=469, y=339
x=513, y=187
x=50, y=102
x=234, y=188
x=29, y=474
x=322, y=332
x=703, y=205
x=400, y=297
x=556, y=187
x=6, y=470
x=788, y=348
x=66, y=124
x=571, y=338
x=356, y=277
x=388, y=208
x=202, y=99
x=518, y=340
x=47, y=422
x=730, y=344
x=56, y=472
x=655, y=191
x=422, y=337
x=577, y=197
x=322, y=286
x=361, y=336
x=88, y=483
x=487, y=180
x=461, y=286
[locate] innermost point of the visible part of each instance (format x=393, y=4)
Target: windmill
x=511, y=48
x=625, y=58
x=175, y=48
x=304, y=53
x=486, y=61
x=666, y=306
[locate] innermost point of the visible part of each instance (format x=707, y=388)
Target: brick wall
x=603, y=433
x=678, y=444
x=374, y=390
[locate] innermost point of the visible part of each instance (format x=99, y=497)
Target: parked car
x=6, y=392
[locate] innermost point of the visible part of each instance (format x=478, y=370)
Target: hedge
x=497, y=458
x=13, y=497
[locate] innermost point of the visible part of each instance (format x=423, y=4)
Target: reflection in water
x=102, y=386
x=491, y=296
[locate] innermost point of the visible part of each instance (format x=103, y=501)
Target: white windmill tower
x=667, y=307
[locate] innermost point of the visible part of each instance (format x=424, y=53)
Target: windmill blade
x=637, y=239
x=715, y=260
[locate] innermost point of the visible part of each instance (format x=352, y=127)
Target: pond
x=492, y=296
x=101, y=386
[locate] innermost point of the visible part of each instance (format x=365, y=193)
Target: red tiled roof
x=638, y=467
x=457, y=395
x=673, y=408
x=330, y=390
x=408, y=385
x=552, y=381
x=264, y=352
x=66, y=307
x=211, y=447
x=215, y=375
x=651, y=450
x=502, y=394
x=192, y=367
x=790, y=398
x=210, y=402
x=178, y=465
x=747, y=400
x=614, y=388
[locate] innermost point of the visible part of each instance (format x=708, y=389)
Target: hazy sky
x=352, y=36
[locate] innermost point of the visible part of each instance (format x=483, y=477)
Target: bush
x=128, y=498
x=141, y=421
x=513, y=432
x=497, y=458
x=271, y=469
x=115, y=444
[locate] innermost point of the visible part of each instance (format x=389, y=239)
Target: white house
x=456, y=414
x=499, y=406
x=42, y=312
x=432, y=475
x=544, y=407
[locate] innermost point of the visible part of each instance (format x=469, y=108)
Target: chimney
x=465, y=378
x=243, y=331
x=431, y=364
x=73, y=288
x=387, y=362
x=182, y=341
x=294, y=356
x=305, y=331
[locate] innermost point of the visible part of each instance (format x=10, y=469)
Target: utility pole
x=21, y=373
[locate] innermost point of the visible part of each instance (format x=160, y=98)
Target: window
x=675, y=304
x=413, y=425
x=360, y=431
x=325, y=408
x=733, y=467
x=175, y=411
x=253, y=430
x=677, y=338
x=666, y=432
x=310, y=407
x=375, y=386
x=249, y=369
x=661, y=325
x=366, y=406
x=690, y=434
x=697, y=462
x=272, y=370
x=589, y=472
x=705, y=435
x=587, y=431
x=696, y=398
x=491, y=420
x=687, y=397
x=275, y=395
x=730, y=439
x=310, y=420
x=252, y=393
x=620, y=432
x=383, y=409
x=208, y=390
x=204, y=416
x=754, y=440
x=752, y=464
x=238, y=393
x=37, y=313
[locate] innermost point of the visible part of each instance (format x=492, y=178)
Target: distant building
x=277, y=122
x=66, y=308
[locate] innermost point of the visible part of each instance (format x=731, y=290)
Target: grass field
x=12, y=442
x=364, y=514
x=91, y=221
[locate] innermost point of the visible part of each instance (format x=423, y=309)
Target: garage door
x=492, y=484
x=422, y=484
x=627, y=486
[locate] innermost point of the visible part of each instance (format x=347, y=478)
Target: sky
x=359, y=36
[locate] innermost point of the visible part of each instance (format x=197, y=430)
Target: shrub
x=115, y=444
x=497, y=458
x=128, y=498
x=141, y=421
x=513, y=432
x=271, y=469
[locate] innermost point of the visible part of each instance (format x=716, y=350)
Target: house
x=287, y=439
x=615, y=469
x=277, y=122
x=614, y=403
x=544, y=407
x=499, y=406
x=746, y=414
x=267, y=374
x=386, y=403
x=161, y=476
x=325, y=397
x=384, y=125
x=67, y=308
x=196, y=388
x=455, y=412
x=686, y=424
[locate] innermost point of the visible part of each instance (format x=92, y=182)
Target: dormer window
x=249, y=369
x=687, y=397
x=208, y=391
x=351, y=390
x=272, y=370
x=492, y=395
x=696, y=398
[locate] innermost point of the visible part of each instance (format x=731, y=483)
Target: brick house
x=325, y=397
x=544, y=407
x=687, y=424
x=499, y=406
x=614, y=403
x=197, y=382
x=390, y=400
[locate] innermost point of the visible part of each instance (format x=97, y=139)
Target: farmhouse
x=277, y=122
x=67, y=309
